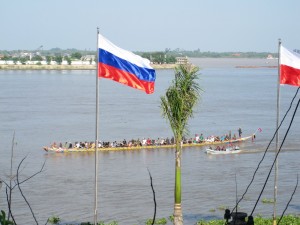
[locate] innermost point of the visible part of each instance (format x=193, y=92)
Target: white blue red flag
x=124, y=66
x=289, y=67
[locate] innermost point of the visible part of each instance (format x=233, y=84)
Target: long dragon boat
x=204, y=143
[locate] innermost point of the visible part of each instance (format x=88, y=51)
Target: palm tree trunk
x=178, y=220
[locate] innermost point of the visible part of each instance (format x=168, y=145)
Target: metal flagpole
x=277, y=136
x=96, y=136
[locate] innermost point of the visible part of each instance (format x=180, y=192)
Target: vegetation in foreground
x=177, y=107
x=286, y=220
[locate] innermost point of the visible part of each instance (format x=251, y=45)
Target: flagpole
x=96, y=135
x=277, y=137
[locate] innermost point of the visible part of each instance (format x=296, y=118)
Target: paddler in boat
x=201, y=138
x=253, y=137
x=240, y=132
x=54, y=145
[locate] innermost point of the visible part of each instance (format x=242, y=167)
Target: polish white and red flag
x=289, y=67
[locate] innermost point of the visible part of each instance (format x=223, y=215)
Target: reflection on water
x=47, y=106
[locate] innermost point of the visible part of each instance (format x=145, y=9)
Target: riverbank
x=70, y=67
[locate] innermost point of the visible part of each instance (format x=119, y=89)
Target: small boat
x=52, y=149
x=222, y=151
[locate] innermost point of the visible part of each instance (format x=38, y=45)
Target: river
x=46, y=106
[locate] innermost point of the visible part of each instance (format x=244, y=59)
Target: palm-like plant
x=177, y=107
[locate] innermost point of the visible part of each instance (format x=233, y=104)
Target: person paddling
x=240, y=132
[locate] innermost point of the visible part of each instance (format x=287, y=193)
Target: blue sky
x=137, y=25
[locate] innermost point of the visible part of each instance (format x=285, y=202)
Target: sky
x=137, y=25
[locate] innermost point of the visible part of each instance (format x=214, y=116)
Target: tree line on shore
x=167, y=56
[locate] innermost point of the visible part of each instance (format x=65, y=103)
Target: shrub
x=54, y=220
x=158, y=221
x=3, y=220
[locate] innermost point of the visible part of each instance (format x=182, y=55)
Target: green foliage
x=100, y=223
x=58, y=59
x=157, y=221
x=7, y=57
x=23, y=60
x=166, y=56
x=158, y=57
x=68, y=59
x=15, y=60
x=54, y=220
x=48, y=59
x=37, y=58
x=3, y=220
x=178, y=103
x=110, y=223
x=76, y=55
x=286, y=220
x=211, y=222
x=266, y=200
x=170, y=59
x=177, y=107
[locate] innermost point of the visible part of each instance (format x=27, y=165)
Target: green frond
x=180, y=98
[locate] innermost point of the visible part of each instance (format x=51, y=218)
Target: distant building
x=182, y=60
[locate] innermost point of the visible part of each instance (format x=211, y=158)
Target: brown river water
x=46, y=106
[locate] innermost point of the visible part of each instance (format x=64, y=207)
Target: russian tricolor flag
x=289, y=67
x=124, y=67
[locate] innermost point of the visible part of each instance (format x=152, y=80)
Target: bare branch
x=41, y=170
x=153, y=220
x=9, y=205
x=11, y=167
x=6, y=184
x=18, y=183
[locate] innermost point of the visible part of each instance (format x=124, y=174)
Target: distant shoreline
x=93, y=67
x=246, y=67
x=70, y=67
